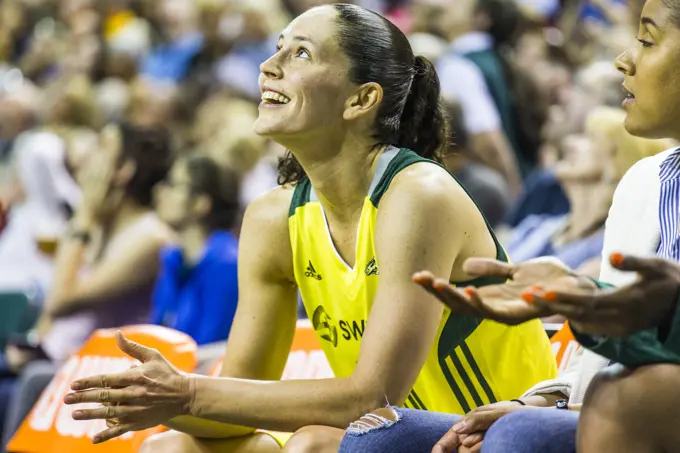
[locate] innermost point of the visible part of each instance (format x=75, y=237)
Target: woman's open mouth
x=273, y=99
x=630, y=97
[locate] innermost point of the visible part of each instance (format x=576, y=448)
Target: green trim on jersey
x=404, y=158
x=300, y=195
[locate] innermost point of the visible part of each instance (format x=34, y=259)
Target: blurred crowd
x=126, y=124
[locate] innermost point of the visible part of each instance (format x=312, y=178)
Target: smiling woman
x=363, y=205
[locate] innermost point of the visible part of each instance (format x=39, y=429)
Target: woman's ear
x=365, y=99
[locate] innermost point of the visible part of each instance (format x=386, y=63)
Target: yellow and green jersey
x=473, y=362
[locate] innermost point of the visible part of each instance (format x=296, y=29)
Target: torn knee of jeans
x=378, y=419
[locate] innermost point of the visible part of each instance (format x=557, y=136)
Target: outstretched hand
x=507, y=302
x=137, y=399
x=619, y=312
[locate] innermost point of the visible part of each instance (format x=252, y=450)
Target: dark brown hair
x=410, y=114
x=151, y=151
x=220, y=184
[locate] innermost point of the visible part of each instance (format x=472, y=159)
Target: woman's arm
x=136, y=264
x=401, y=328
x=265, y=320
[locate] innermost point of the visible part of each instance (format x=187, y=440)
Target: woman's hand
x=137, y=399
x=95, y=180
x=504, y=302
x=622, y=311
x=469, y=432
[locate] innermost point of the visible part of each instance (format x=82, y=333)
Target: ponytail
x=422, y=126
x=410, y=114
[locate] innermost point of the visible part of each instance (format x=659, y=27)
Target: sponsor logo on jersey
x=372, y=268
x=312, y=273
x=323, y=324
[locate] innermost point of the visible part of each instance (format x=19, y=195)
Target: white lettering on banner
x=307, y=365
x=51, y=401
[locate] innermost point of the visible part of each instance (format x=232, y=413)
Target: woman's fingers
x=487, y=267
x=135, y=350
x=103, y=381
x=473, y=439
x=104, y=395
x=112, y=433
x=125, y=413
x=441, y=289
x=649, y=267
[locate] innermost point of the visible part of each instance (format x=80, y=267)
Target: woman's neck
x=342, y=178
x=127, y=213
x=585, y=210
x=192, y=240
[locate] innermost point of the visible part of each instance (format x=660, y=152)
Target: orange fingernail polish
x=469, y=291
x=550, y=296
x=528, y=298
x=616, y=259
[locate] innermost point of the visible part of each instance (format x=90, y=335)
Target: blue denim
x=533, y=431
x=530, y=431
x=415, y=432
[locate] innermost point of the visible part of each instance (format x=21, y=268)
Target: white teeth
x=274, y=97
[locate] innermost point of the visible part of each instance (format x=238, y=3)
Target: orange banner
x=49, y=427
x=306, y=360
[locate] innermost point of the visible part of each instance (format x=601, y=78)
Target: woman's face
x=652, y=75
x=579, y=165
x=173, y=196
x=305, y=84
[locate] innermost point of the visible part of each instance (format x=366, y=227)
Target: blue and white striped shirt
x=669, y=207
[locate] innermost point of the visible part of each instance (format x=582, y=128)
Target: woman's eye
x=302, y=53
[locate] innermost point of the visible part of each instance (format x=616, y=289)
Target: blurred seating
x=18, y=313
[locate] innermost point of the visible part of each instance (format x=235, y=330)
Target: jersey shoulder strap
x=390, y=163
x=300, y=195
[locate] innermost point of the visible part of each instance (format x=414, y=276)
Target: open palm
x=509, y=302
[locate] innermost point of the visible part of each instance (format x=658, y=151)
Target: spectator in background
x=151, y=104
x=182, y=41
x=486, y=187
x=597, y=84
x=13, y=25
x=463, y=81
x=126, y=38
x=592, y=167
x=105, y=266
x=249, y=30
x=223, y=130
x=19, y=107
x=197, y=291
x=47, y=195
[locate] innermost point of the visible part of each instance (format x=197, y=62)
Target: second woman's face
x=652, y=75
x=305, y=83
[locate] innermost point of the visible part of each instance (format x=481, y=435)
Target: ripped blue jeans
x=530, y=431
